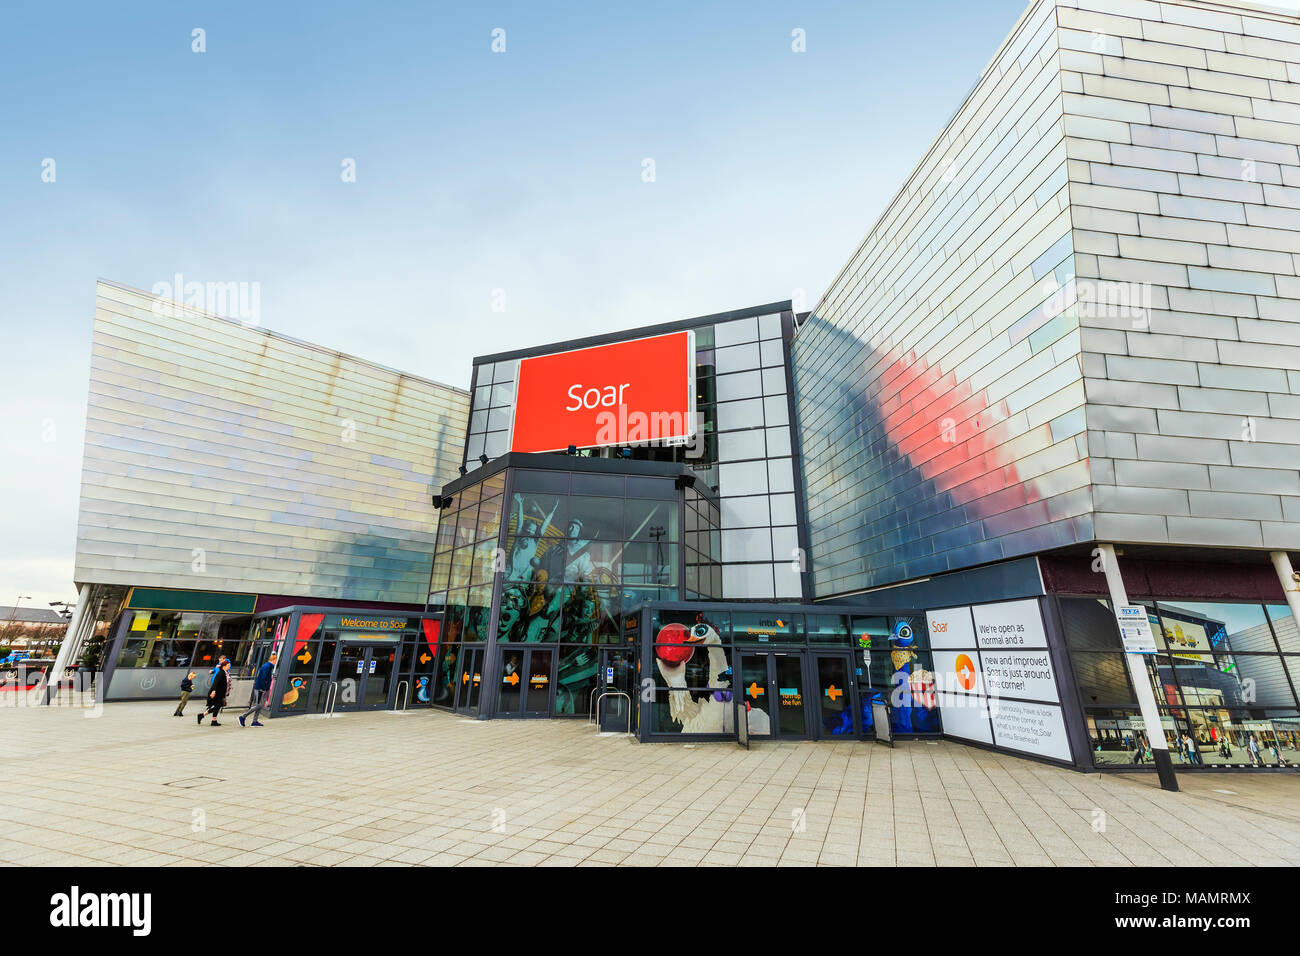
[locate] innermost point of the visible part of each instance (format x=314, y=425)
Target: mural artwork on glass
x=567, y=561
x=699, y=698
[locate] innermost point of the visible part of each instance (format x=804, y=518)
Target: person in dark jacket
x=217, y=695
x=187, y=688
x=261, y=690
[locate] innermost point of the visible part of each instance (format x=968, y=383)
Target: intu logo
x=76, y=909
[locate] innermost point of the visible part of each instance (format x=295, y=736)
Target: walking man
x=1253, y=747
x=217, y=695
x=187, y=688
x=261, y=690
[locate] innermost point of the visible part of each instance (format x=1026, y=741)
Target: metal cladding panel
x=222, y=457
x=1184, y=138
x=938, y=384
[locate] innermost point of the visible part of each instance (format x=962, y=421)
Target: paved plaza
x=136, y=786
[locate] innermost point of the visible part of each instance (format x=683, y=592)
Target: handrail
x=331, y=698
x=591, y=704
x=403, y=691
x=616, y=693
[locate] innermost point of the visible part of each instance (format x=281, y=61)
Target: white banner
x=951, y=627
x=965, y=717
x=1009, y=625
x=1026, y=674
x=1037, y=729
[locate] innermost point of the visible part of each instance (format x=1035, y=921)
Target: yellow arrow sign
x=425, y=658
x=464, y=678
x=754, y=689
x=832, y=692
x=305, y=656
x=512, y=679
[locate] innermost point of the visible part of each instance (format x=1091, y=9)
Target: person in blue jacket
x=261, y=691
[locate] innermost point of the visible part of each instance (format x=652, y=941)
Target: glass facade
x=184, y=639
x=1224, y=677
x=795, y=674
x=564, y=558
x=743, y=450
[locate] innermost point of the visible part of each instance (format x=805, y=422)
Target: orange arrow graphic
x=754, y=689
x=512, y=679
x=305, y=656
x=464, y=678
x=425, y=658
x=832, y=692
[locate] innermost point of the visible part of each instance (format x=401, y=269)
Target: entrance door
x=834, y=711
x=381, y=665
x=469, y=680
x=772, y=682
x=537, y=689
x=617, y=673
x=527, y=674
x=364, y=675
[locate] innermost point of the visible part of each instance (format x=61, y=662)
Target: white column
x=71, y=644
x=1290, y=586
x=1137, y=667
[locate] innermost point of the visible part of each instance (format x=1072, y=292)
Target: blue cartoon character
x=914, y=711
x=422, y=689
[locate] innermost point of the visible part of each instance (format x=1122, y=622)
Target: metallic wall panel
x=222, y=457
x=1186, y=193
x=938, y=384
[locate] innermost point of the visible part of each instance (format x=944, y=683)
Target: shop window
x=575, y=679
x=1192, y=628
x=1284, y=627
x=769, y=627
x=1102, y=679
x=489, y=520
x=1089, y=625
x=826, y=629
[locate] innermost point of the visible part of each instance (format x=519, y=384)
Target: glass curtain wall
x=1224, y=677
x=574, y=551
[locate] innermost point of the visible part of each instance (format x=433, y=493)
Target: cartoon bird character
x=712, y=712
x=291, y=695
x=422, y=689
x=916, y=712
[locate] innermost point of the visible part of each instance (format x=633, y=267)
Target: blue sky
x=475, y=171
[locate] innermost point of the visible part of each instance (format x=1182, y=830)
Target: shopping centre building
x=1026, y=476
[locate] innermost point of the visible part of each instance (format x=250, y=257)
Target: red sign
x=625, y=393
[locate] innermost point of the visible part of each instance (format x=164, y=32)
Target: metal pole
x=1137, y=672
x=1290, y=582
x=70, y=645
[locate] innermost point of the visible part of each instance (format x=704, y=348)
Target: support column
x=1290, y=586
x=71, y=644
x=1137, y=672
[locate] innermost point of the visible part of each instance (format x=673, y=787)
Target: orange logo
x=965, y=668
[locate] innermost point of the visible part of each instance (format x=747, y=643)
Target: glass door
x=537, y=692
x=772, y=685
x=618, y=673
x=792, y=721
x=527, y=674
x=834, y=711
x=349, y=672
x=381, y=665
x=754, y=687
x=470, y=680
